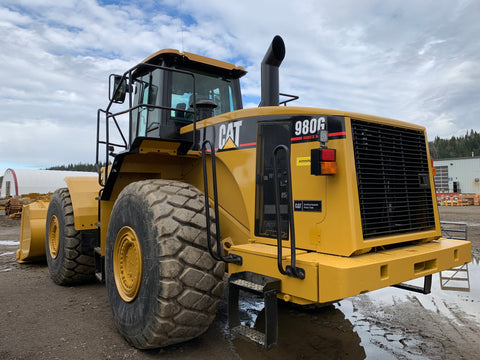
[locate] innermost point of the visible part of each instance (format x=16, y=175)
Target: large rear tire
x=67, y=262
x=163, y=286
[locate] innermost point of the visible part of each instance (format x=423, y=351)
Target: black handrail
x=284, y=102
x=290, y=270
x=231, y=258
x=128, y=78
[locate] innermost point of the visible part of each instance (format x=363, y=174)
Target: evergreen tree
x=456, y=146
x=75, y=167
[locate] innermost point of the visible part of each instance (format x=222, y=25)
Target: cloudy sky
x=412, y=60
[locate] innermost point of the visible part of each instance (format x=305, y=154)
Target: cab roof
x=186, y=60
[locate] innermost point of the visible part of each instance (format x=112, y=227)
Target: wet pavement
x=397, y=324
x=389, y=323
x=385, y=324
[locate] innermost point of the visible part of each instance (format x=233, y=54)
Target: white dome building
x=18, y=182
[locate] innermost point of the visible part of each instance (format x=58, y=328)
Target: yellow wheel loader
x=302, y=205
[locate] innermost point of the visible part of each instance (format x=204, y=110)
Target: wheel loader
x=195, y=194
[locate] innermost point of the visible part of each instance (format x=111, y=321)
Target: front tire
x=67, y=262
x=163, y=286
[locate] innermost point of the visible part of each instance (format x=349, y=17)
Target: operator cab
x=170, y=89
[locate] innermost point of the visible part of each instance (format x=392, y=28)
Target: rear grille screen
x=393, y=179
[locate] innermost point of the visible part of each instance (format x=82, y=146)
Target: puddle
x=385, y=324
x=469, y=301
x=321, y=333
x=9, y=243
x=416, y=326
x=7, y=253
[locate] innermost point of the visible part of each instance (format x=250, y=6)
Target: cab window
x=147, y=118
x=208, y=87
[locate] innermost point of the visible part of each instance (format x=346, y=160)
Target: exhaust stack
x=270, y=80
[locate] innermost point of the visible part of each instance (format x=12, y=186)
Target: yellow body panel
x=295, y=110
x=32, y=231
x=83, y=192
x=158, y=160
x=339, y=218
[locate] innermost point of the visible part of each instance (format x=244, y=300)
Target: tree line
x=462, y=146
x=75, y=167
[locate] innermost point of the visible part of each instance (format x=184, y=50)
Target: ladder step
x=258, y=284
x=247, y=285
x=253, y=282
x=454, y=278
x=457, y=268
x=251, y=334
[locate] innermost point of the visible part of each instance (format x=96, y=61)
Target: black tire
x=67, y=263
x=180, y=286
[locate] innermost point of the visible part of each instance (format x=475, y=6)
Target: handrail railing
x=284, y=102
x=290, y=270
x=454, y=230
x=112, y=116
x=231, y=258
x=107, y=141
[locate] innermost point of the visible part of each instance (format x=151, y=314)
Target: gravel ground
x=40, y=320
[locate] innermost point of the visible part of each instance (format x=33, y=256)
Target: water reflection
x=468, y=300
x=303, y=333
x=385, y=324
x=394, y=323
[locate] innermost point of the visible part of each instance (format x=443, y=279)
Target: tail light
x=323, y=161
x=434, y=170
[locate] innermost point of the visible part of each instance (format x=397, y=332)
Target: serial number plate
x=308, y=205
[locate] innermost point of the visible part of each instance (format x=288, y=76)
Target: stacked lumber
x=13, y=206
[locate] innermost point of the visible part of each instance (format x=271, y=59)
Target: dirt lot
x=40, y=320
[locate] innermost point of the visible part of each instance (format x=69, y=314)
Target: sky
x=416, y=61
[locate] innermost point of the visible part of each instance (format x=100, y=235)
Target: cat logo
x=229, y=135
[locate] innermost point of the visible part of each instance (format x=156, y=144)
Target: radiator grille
x=393, y=179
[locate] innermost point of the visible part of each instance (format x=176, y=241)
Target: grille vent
x=393, y=179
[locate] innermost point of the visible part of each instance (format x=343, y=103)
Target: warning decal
x=303, y=161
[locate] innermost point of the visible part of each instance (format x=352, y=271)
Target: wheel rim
x=127, y=264
x=53, y=237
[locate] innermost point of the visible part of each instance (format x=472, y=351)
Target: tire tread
x=75, y=267
x=192, y=281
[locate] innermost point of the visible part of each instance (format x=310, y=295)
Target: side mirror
x=117, y=89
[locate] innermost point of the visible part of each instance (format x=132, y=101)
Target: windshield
x=165, y=99
x=208, y=87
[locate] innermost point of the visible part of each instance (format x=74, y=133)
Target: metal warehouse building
x=18, y=182
x=459, y=175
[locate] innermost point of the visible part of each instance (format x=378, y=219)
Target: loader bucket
x=32, y=232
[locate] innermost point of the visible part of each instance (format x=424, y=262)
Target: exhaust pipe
x=270, y=64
